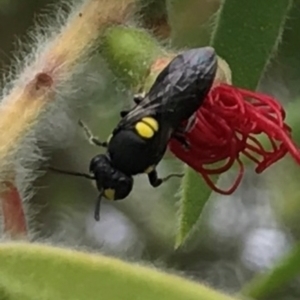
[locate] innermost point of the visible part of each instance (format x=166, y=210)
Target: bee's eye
x=124, y=187
x=98, y=162
x=93, y=163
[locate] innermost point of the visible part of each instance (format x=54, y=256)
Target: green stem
x=246, y=34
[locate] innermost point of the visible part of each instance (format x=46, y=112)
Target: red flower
x=226, y=125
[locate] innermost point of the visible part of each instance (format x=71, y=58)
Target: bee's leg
x=124, y=113
x=138, y=98
x=92, y=139
x=155, y=181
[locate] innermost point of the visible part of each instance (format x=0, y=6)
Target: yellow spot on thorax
x=109, y=194
x=151, y=122
x=147, y=127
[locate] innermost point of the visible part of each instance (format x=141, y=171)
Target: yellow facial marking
x=149, y=169
x=151, y=122
x=144, y=130
x=109, y=194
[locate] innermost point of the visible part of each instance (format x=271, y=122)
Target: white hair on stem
x=37, y=94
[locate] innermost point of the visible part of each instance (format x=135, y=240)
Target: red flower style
x=226, y=125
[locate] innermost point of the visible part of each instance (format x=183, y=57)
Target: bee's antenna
x=97, y=207
x=78, y=174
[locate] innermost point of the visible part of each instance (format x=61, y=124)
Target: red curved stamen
x=225, y=126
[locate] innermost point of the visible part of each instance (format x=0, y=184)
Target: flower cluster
x=227, y=125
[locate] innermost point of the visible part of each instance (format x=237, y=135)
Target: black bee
x=140, y=139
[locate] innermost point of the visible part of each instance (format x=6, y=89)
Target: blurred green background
x=237, y=236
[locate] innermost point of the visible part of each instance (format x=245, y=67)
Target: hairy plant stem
x=48, y=69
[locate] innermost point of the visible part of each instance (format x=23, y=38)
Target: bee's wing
x=144, y=109
x=154, y=104
x=179, y=88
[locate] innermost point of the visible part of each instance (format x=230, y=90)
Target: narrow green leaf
x=32, y=271
x=188, y=216
x=246, y=35
x=287, y=58
x=292, y=118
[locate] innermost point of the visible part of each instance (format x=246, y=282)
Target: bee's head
x=113, y=184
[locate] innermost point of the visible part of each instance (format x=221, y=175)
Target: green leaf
x=32, y=271
x=292, y=118
x=287, y=58
x=191, y=193
x=246, y=34
x=268, y=284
